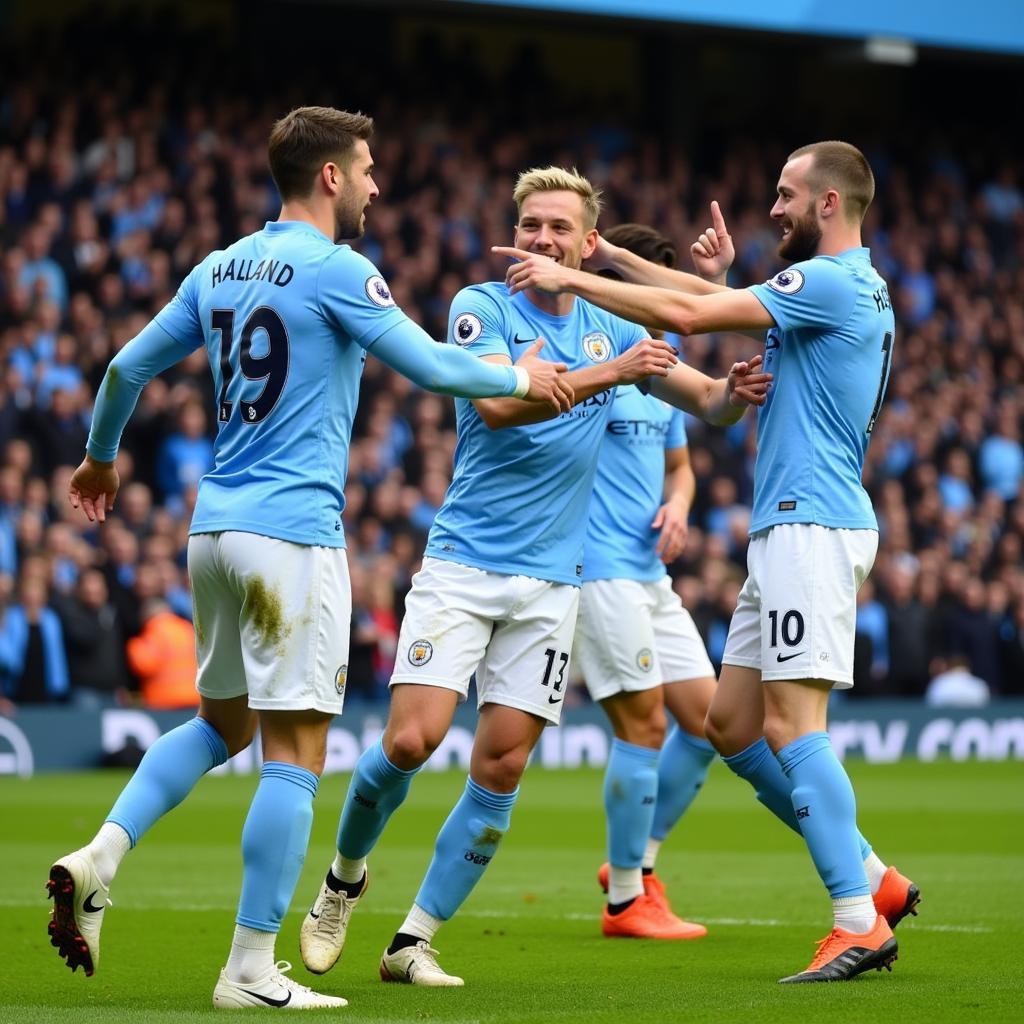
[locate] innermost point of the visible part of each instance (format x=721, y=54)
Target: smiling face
x=357, y=191
x=796, y=211
x=553, y=224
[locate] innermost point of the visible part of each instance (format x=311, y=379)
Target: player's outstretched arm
x=720, y=401
x=407, y=348
x=94, y=484
x=636, y=270
x=647, y=358
x=725, y=309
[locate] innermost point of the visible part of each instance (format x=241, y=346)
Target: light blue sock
x=630, y=792
x=376, y=791
x=465, y=845
x=274, y=841
x=760, y=767
x=827, y=813
x=682, y=769
x=166, y=775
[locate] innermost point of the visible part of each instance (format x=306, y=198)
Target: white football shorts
x=514, y=632
x=796, y=615
x=632, y=635
x=272, y=620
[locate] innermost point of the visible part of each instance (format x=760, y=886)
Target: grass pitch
x=528, y=940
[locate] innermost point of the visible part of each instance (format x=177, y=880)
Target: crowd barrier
x=70, y=738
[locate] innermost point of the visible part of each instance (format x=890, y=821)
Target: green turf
x=528, y=941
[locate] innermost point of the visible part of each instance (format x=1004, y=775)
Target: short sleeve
x=816, y=293
x=676, y=437
x=355, y=297
x=180, y=317
x=627, y=334
x=477, y=323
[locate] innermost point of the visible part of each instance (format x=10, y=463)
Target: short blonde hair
x=558, y=179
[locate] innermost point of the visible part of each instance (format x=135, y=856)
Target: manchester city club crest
x=340, y=678
x=420, y=652
x=644, y=659
x=596, y=347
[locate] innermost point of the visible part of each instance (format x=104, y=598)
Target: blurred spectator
x=956, y=687
x=33, y=666
x=94, y=639
x=163, y=658
x=871, y=642
x=1001, y=458
x=186, y=455
x=909, y=633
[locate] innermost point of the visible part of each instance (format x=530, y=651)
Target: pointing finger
x=717, y=218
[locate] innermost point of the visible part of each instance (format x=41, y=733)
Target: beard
x=802, y=241
x=349, y=222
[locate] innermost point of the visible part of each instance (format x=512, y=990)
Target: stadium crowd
x=109, y=195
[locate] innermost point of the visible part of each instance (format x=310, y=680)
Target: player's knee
x=501, y=773
x=409, y=747
x=649, y=731
x=716, y=730
x=778, y=731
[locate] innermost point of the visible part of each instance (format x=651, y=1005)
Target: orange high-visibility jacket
x=163, y=656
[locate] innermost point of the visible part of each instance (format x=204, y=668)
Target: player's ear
x=589, y=243
x=829, y=203
x=330, y=175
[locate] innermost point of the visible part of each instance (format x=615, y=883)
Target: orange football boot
x=645, y=918
x=653, y=886
x=896, y=897
x=842, y=955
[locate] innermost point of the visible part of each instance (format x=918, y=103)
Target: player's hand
x=547, y=380
x=745, y=385
x=713, y=253
x=93, y=487
x=671, y=520
x=532, y=270
x=647, y=358
x=603, y=256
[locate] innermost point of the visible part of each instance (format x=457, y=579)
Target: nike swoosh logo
x=522, y=341
x=88, y=903
x=552, y=700
x=788, y=657
x=266, y=999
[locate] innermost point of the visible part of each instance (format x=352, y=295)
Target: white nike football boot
x=79, y=902
x=323, y=931
x=416, y=965
x=273, y=991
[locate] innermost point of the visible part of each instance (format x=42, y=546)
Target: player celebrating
x=814, y=534
x=498, y=592
x=287, y=317
x=636, y=646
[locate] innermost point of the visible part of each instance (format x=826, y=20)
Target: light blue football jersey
x=286, y=316
x=830, y=354
x=518, y=500
x=629, y=488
